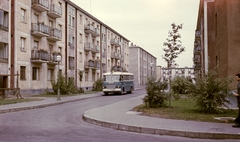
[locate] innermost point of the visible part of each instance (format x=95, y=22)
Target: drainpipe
x=12, y=54
x=206, y=34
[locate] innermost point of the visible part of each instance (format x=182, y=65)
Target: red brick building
x=217, y=37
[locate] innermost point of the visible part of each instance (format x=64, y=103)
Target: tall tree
x=173, y=49
x=173, y=46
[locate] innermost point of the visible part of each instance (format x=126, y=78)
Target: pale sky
x=146, y=22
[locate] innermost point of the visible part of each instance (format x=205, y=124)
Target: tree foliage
x=97, y=85
x=210, y=92
x=66, y=86
x=173, y=45
x=180, y=85
x=156, y=97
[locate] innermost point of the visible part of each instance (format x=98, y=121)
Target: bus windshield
x=111, y=78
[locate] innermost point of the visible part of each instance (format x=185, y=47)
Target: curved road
x=63, y=123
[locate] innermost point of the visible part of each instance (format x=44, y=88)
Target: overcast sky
x=146, y=22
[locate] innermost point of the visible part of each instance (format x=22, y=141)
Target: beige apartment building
x=35, y=32
x=142, y=64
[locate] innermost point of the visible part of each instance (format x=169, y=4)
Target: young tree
x=173, y=49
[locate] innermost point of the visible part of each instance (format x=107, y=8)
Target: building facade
x=40, y=30
x=142, y=64
x=217, y=39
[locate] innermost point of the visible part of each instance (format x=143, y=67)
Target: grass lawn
x=183, y=109
x=14, y=101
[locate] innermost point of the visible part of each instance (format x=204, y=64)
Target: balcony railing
x=55, y=11
x=115, y=42
x=197, y=50
x=92, y=64
x=90, y=29
x=3, y=57
x=39, y=56
x=4, y=27
x=116, y=55
x=53, y=58
x=197, y=34
x=39, y=29
x=55, y=34
x=40, y=5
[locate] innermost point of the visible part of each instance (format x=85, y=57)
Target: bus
x=118, y=82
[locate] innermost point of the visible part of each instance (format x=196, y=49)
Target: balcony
x=39, y=56
x=115, y=42
x=55, y=11
x=116, y=55
x=55, y=35
x=197, y=66
x=197, y=50
x=40, y=5
x=40, y=30
x=4, y=27
x=197, y=34
x=91, y=47
x=53, y=58
x=90, y=29
x=117, y=68
x=95, y=65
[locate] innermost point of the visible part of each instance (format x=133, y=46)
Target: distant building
x=142, y=64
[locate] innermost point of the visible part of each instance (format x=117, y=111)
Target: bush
x=156, y=97
x=210, y=92
x=65, y=86
x=97, y=85
x=180, y=85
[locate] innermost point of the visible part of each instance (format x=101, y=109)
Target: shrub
x=65, y=85
x=156, y=97
x=210, y=92
x=97, y=85
x=180, y=85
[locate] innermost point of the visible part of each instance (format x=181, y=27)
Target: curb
x=169, y=132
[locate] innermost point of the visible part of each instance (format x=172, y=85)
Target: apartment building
x=42, y=30
x=217, y=39
x=142, y=64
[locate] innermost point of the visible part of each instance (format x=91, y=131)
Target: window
x=80, y=19
x=23, y=44
x=71, y=42
x=22, y=73
x=86, y=76
x=71, y=62
x=50, y=75
x=35, y=45
x=3, y=52
x=23, y=15
x=35, y=73
x=80, y=57
x=50, y=24
x=80, y=38
x=59, y=27
x=71, y=21
x=3, y=20
x=35, y=18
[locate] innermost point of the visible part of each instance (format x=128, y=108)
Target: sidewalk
x=126, y=120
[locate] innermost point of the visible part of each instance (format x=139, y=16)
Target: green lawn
x=184, y=109
x=14, y=101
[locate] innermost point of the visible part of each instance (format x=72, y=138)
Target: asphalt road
x=63, y=123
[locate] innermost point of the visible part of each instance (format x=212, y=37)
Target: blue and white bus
x=118, y=82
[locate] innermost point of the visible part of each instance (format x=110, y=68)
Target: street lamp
x=59, y=59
